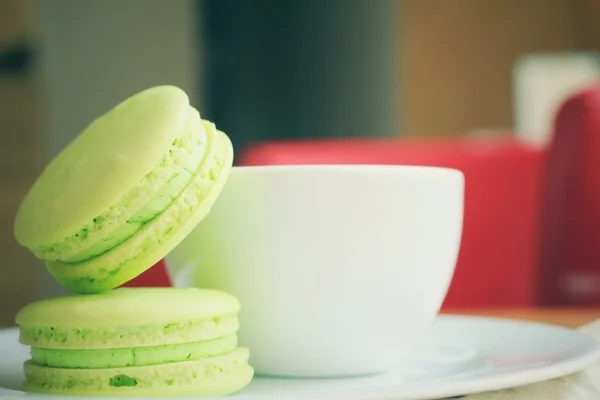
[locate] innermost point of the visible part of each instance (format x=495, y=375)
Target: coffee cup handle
x=182, y=274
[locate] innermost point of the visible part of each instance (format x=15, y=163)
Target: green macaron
x=125, y=191
x=135, y=342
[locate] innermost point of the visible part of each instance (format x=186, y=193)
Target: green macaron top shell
x=136, y=146
x=127, y=307
x=125, y=191
x=156, y=238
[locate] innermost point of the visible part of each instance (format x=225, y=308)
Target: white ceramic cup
x=339, y=269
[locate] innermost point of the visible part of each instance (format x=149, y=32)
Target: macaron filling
x=193, y=330
x=133, y=356
x=182, y=155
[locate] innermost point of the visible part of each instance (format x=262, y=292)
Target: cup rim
x=350, y=168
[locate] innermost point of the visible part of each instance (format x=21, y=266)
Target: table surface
x=568, y=317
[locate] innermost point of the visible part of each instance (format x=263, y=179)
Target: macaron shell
x=154, y=241
x=156, y=205
x=214, y=376
x=101, y=165
x=127, y=307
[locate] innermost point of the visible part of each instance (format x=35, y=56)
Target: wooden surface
x=457, y=56
x=15, y=18
x=20, y=147
x=568, y=317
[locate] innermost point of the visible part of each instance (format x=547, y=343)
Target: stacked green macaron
x=113, y=203
x=135, y=342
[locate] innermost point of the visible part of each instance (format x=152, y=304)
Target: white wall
x=542, y=82
x=95, y=53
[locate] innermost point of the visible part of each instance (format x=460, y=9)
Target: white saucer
x=464, y=355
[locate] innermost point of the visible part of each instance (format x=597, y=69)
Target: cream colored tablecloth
x=584, y=385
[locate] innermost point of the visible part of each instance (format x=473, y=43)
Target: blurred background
x=312, y=81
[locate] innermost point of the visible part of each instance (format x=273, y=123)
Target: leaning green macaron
x=125, y=191
x=135, y=342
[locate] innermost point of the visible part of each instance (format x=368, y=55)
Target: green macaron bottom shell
x=133, y=356
x=159, y=236
x=212, y=376
x=165, y=196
